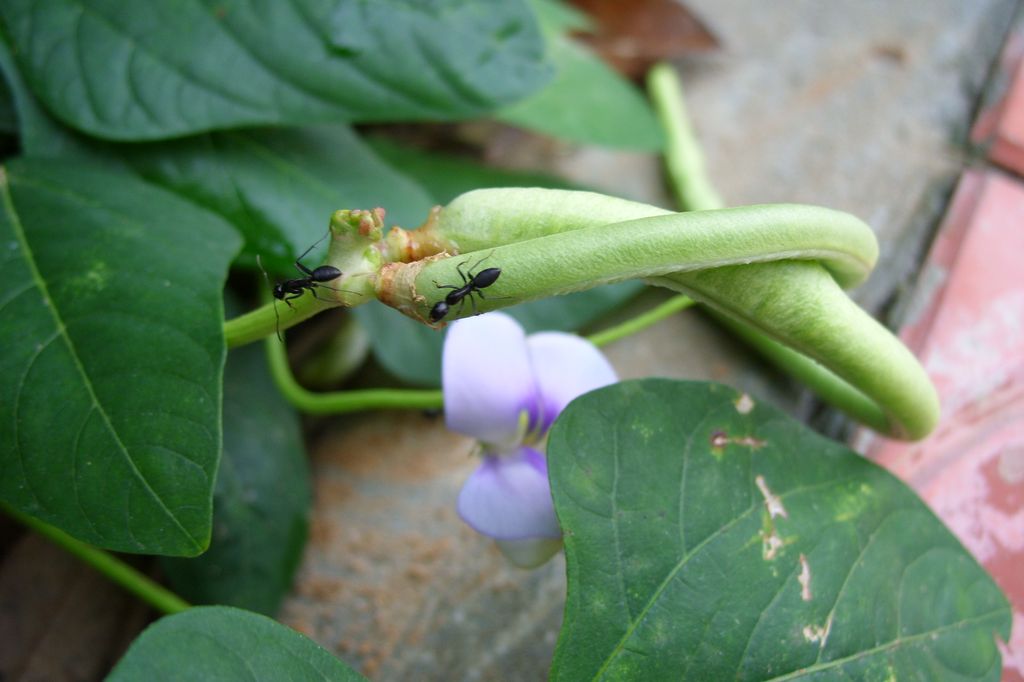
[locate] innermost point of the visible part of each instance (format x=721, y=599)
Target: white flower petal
x=508, y=498
x=529, y=553
x=487, y=379
x=566, y=366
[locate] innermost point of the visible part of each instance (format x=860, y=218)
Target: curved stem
x=151, y=592
x=343, y=401
x=641, y=321
x=684, y=162
x=270, y=318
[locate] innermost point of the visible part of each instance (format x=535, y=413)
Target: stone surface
x=859, y=106
x=395, y=583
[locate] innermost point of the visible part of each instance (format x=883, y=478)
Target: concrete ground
x=855, y=104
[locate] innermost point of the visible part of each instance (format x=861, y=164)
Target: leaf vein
x=15, y=414
x=686, y=558
x=888, y=646
x=61, y=331
x=74, y=471
x=186, y=76
x=621, y=574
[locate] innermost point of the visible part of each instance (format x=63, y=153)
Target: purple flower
x=506, y=389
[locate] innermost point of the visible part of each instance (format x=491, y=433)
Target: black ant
x=471, y=284
x=290, y=289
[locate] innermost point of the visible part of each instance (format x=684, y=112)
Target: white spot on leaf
x=805, y=579
x=817, y=633
x=744, y=404
x=773, y=503
x=771, y=544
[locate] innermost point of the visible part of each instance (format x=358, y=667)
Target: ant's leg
x=478, y=264
x=445, y=286
x=458, y=269
x=302, y=268
x=347, y=291
x=277, y=321
x=273, y=301
x=288, y=299
x=327, y=300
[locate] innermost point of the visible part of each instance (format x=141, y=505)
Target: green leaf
x=278, y=187
x=707, y=537
x=446, y=177
x=261, y=501
x=407, y=349
x=40, y=135
x=8, y=117
x=110, y=380
x=556, y=16
x=166, y=68
x=222, y=643
x=587, y=102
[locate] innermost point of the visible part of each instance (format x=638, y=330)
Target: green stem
x=641, y=321
x=353, y=401
x=121, y=573
x=343, y=401
x=270, y=317
x=684, y=162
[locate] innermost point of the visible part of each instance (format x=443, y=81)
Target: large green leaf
x=8, y=117
x=587, y=101
x=707, y=537
x=278, y=187
x=167, y=68
x=110, y=379
x=222, y=643
x=39, y=135
x=261, y=501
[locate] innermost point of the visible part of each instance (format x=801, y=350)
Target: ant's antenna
x=277, y=318
x=316, y=244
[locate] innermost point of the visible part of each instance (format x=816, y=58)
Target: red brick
x=1000, y=124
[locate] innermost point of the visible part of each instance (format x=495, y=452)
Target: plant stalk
x=143, y=587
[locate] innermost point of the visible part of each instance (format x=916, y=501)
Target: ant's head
x=439, y=310
x=279, y=291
